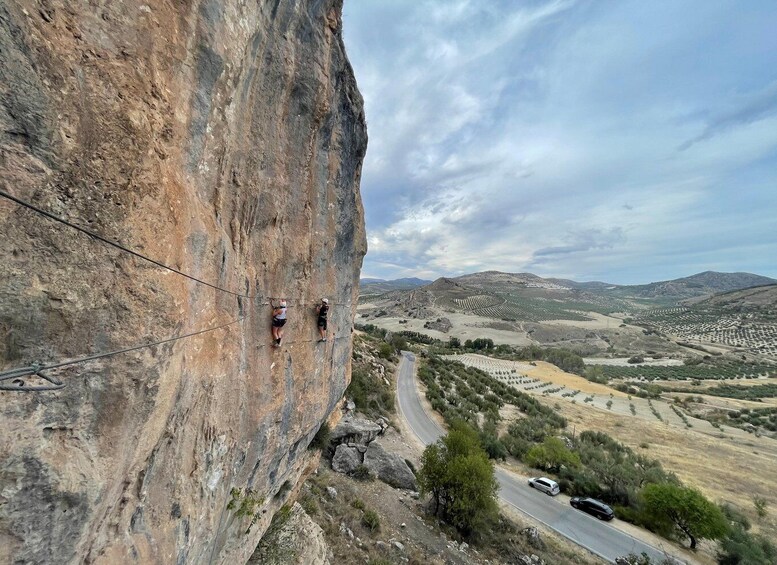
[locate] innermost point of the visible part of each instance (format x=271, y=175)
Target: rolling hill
x=528, y=297
x=379, y=286
x=520, y=308
x=700, y=284
x=745, y=319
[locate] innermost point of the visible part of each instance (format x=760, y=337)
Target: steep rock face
x=222, y=138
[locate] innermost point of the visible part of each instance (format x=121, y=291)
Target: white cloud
x=547, y=136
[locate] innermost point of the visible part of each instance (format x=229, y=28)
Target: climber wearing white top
x=278, y=320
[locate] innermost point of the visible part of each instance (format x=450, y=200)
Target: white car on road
x=546, y=485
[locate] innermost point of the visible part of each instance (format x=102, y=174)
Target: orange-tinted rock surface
x=225, y=139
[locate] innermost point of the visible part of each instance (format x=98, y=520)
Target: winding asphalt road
x=595, y=536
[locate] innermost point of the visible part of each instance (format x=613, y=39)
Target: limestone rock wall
x=223, y=138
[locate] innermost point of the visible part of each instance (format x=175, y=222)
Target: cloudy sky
x=617, y=140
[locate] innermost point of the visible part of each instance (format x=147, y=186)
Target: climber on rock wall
x=322, y=310
x=278, y=321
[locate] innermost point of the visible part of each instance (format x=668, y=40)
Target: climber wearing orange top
x=278, y=321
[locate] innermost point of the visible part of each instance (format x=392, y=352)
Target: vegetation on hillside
x=738, y=320
x=742, y=547
x=701, y=371
x=376, y=514
x=369, y=389
x=755, y=393
x=594, y=464
x=755, y=420
x=564, y=359
x=475, y=397
x=590, y=464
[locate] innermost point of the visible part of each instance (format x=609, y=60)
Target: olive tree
x=552, y=455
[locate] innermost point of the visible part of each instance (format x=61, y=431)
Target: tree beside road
x=458, y=474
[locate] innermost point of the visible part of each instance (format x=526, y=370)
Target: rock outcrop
x=346, y=459
x=355, y=429
x=296, y=541
x=355, y=444
x=389, y=467
x=223, y=139
x=443, y=325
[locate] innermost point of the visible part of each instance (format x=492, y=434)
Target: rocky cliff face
x=223, y=138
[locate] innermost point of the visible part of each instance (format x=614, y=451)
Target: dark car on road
x=592, y=507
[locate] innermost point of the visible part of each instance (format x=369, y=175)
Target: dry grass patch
x=548, y=372
x=597, y=322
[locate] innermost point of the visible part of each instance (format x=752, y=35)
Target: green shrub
x=372, y=396
x=371, y=520
x=278, y=520
x=371, y=329
x=490, y=442
x=362, y=473
x=580, y=482
x=398, y=342
x=244, y=504
x=493, y=447
x=612, y=471
x=516, y=446
x=595, y=374
x=740, y=547
x=309, y=504
x=760, y=505
x=358, y=503
x=386, y=351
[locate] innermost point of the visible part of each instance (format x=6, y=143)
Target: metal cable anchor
x=18, y=384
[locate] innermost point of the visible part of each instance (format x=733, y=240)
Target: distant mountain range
x=703, y=284
x=700, y=284
x=379, y=286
